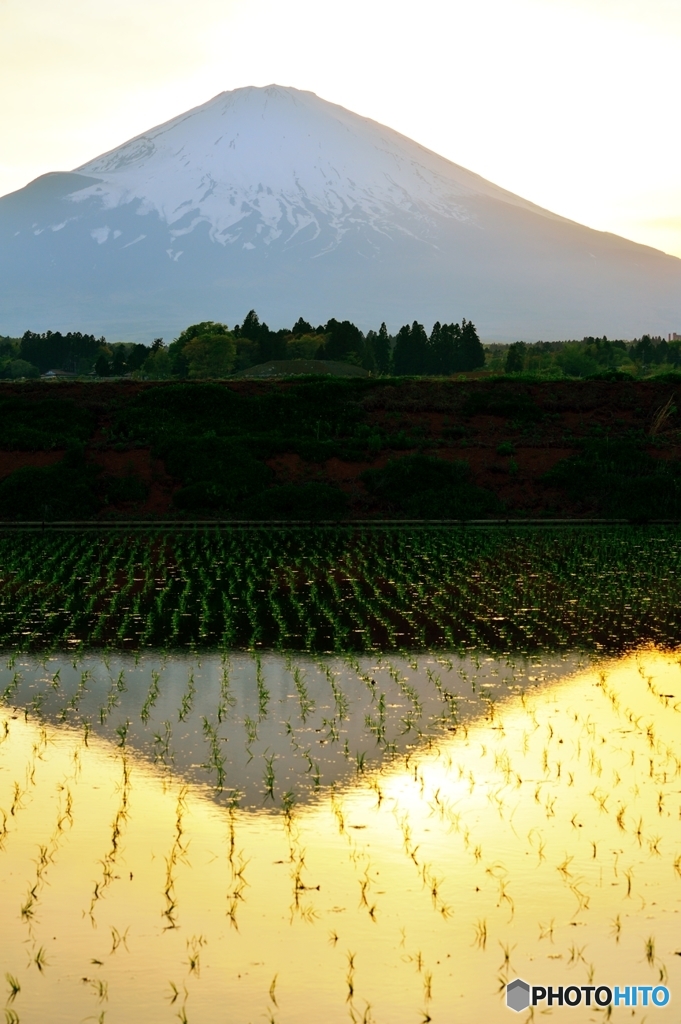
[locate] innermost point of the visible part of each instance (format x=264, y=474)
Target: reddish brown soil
x=152, y=472
x=433, y=412
x=9, y=461
x=289, y=468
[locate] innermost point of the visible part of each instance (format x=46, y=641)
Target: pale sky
x=573, y=104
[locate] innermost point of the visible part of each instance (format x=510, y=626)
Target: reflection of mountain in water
x=263, y=727
x=546, y=833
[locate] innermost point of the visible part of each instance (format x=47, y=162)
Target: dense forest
x=211, y=350
x=214, y=350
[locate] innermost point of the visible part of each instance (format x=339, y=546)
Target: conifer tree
x=433, y=356
x=419, y=348
x=345, y=342
x=411, y=350
x=472, y=352
x=515, y=357
x=443, y=348
x=381, y=344
x=301, y=327
x=402, y=351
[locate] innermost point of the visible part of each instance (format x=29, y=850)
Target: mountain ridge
x=272, y=198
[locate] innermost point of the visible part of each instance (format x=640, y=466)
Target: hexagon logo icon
x=517, y=995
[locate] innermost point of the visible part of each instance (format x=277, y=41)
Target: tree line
x=74, y=352
x=589, y=356
x=211, y=349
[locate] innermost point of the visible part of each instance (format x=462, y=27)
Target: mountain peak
x=291, y=157
x=275, y=199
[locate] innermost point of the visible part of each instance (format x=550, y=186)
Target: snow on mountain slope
x=275, y=199
x=289, y=157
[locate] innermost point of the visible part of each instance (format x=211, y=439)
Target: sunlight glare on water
x=539, y=837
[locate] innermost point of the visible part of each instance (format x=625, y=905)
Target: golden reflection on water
x=543, y=842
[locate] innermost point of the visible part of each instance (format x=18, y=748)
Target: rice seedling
x=162, y=744
x=122, y=732
x=251, y=728
x=263, y=692
x=101, y=990
x=187, y=699
x=151, y=697
x=227, y=699
x=216, y=759
x=14, y=987
x=480, y=939
x=39, y=958
x=269, y=775
x=306, y=704
x=119, y=939
x=194, y=946
x=350, y=976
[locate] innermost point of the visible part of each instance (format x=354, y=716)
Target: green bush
x=300, y=501
x=16, y=368
x=309, y=411
x=128, y=488
x=43, y=425
x=506, y=448
x=575, y=361
x=619, y=478
x=424, y=487
x=208, y=497
x=219, y=460
x=66, y=490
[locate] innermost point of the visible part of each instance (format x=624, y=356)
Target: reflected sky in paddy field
x=538, y=836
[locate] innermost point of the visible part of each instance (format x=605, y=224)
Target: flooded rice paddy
x=368, y=837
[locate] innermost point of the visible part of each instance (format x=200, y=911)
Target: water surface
x=507, y=818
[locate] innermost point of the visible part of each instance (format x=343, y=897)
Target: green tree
x=344, y=342
x=118, y=361
x=402, y=362
x=381, y=346
x=210, y=356
x=270, y=344
x=102, y=365
x=304, y=346
x=207, y=349
x=410, y=356
x=157, y=365
x=443, y=349
x=302, y=327
x=515, y=357
x=20, y=368
x=74, y=352
x=471, y=352
x=576, y=361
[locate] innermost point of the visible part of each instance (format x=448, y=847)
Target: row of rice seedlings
x=338, y=589
x=421, y=565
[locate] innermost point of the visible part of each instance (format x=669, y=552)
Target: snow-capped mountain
x=275, y=199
